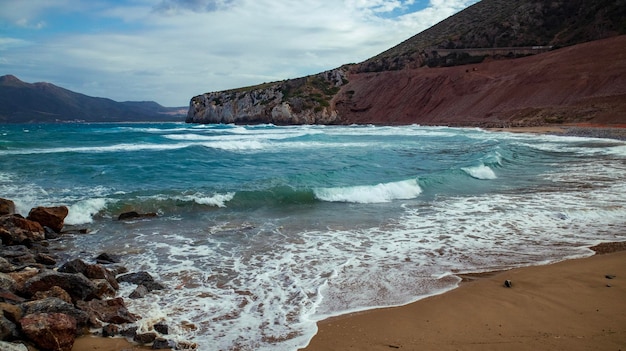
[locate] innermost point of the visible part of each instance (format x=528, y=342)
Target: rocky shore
x=48, y=298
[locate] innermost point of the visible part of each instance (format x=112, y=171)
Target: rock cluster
x=45, y=304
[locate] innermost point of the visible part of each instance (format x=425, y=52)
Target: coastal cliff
x=307, y=100
x=498, y=63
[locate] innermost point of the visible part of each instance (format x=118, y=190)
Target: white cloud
x=176, y=49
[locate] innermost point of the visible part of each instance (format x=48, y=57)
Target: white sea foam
x=364, y=194
x=82, y=212
x=99, y=149
x=218, y=200
x=480, y=172
x=236, y=145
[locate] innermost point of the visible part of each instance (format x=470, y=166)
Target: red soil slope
x=585, y=83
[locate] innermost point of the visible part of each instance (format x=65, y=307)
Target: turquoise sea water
x=264, y=230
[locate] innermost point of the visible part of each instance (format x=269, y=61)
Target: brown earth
x=585, y=83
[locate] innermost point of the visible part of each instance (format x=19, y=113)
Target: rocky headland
x=48, y=298
x=498, y=63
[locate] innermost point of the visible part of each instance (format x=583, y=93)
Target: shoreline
x=605, y=131
x=502, y=317
x=571, y=304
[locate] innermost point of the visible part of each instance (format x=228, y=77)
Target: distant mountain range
x=470, y=69
x=41, y=102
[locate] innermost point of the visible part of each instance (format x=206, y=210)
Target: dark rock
x=54, y=291
x=77, y=285
x=508, y=283
x=96, y=271
x=610, y=276
x=134, y=215
x=161, y=328
x=129, y=332
x=110, y=330
x=139, y=292
x=56, y=305
x=7, y=207
x=145, y=338
x=141, y=278
x=50, y=331
x=106, y=258
x=15, y=229
x=8, y=329
x=162, y=344
x=108, y=311
x=103, y=288
x=52, y=217
x=73, y=266
x=50, y=234
x=45, y=259
x=117, y=270
x=92, y=271
x=24, y=259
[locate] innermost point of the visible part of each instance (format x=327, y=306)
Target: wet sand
x=570, y=305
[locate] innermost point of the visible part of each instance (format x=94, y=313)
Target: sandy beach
x=571, y=305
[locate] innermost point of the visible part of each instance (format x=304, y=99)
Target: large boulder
x=50, y=331
x=15, y=229
x=108, y=311
x=7, y=207
x=56, y=305
x=51, y=217
x=77, y=285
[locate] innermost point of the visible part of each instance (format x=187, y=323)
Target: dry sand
x=570, y=305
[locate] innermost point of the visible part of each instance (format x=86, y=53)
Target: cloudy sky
x=171, y=50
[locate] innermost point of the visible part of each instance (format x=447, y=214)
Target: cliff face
x=308, y=100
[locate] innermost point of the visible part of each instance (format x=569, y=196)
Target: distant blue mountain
x=22, y=102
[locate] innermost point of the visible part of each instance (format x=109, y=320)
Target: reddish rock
x=54, y=291
x=108, y=311
x=77, y=285
x=55, y=305
x=14, y=229
x=22, y=277
x=51, y=217
x=6, y=207
x=50, y=331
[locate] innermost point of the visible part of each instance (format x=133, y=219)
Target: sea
x=263, y=230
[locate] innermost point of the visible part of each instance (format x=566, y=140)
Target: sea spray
x=363, y=194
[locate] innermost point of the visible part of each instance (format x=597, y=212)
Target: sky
x=169, y=51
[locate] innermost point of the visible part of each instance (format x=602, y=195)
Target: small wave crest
x=480, y=172
x=367, y=194
x=82, y=212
